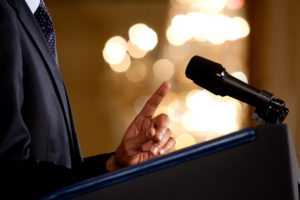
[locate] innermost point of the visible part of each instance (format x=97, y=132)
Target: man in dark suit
x=39, y=150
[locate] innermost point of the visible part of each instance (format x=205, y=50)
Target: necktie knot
x=44, y=20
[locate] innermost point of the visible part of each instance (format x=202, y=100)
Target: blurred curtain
x=275, y=54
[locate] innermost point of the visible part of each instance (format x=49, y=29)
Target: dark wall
x=275, y=54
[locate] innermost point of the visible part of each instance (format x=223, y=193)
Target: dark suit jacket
x=38, y=139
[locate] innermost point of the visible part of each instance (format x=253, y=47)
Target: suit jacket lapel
x=33, y=29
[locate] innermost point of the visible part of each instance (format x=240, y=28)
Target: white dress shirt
x=33, y=5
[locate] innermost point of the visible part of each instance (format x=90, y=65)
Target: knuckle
x=163, y=120
x=164, y=116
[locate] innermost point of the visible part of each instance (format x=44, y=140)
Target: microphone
x=213, y=77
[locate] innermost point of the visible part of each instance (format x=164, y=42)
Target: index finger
x=154, y=101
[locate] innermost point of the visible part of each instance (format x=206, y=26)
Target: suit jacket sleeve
x=28, y=179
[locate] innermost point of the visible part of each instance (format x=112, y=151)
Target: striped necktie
x=44, y=20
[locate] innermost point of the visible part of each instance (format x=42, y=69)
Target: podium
x=254, y=163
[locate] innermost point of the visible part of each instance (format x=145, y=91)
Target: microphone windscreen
x=204, y=73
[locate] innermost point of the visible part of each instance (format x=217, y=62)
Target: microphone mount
x=274, y=113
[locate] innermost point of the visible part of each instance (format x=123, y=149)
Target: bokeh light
x=201, y=110
x=160, y=110
x=176, y=110
x=184, y=1
x=211, y=6
x=135, y=51
x=123, y=65
x=215, y=28
x=196, y=27
x=143, y=37
x=235, y=4
x=225, y=118
x=163, y=69
x=199, y=23
x=198, y=100
x=169, y=98
x=173, y=38
x=178, y=52
x=244, y=26
x=212, y=135
x=233, y=31
x=241, y=76
x=217, y=32
x=187, y=120
x=181, y=27
x=184, y=140
x=114, y=51
x=137, y=71
x=210, y=114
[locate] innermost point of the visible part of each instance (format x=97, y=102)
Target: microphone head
x=205, y=73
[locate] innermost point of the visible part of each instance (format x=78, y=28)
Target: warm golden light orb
x=114, y=51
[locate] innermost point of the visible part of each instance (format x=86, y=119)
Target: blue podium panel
x=244, y=165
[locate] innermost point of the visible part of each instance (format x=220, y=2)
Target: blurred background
x=114, y=54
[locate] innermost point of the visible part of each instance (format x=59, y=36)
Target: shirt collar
x=33, y=4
